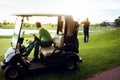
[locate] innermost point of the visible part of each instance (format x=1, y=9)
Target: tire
x=71, y=65
x=11, y=73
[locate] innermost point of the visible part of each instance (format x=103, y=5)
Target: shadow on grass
x=52, y=73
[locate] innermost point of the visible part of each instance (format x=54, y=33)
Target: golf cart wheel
x=70, y=65
x=11, y=73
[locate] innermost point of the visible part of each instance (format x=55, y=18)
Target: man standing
x=86, y=25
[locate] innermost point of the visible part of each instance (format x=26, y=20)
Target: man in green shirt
x=44, y=40
x=44, y=36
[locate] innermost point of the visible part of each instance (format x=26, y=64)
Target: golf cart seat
x=48, y=51
x=57, y=44
x=58, y=41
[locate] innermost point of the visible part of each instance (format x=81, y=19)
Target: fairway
x=100, y=53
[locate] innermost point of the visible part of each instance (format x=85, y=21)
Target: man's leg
x=85, y=36
x=36, y=50
x=29, y=49
x=37, y=44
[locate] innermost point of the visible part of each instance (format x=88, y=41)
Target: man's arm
x=40, y=37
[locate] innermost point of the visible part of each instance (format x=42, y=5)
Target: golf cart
x=64, y=50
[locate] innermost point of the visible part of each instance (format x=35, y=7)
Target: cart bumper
x=2, y=65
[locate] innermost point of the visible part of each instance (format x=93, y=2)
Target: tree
x=0, y=25
x=27, y=25
x=5, y=22
x=117, y=21
x=103, y=24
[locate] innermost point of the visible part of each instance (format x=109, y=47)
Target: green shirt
x=45, y=36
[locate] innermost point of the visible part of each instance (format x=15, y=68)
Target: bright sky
x=96, y=10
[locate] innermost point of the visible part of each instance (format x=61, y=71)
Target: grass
x=7, y=26
x=5, y=44
x=100, y=53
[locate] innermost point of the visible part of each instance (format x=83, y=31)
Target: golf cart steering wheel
x=35, y=37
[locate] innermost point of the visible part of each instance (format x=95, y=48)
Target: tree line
x=116, y=23
x=106, y=23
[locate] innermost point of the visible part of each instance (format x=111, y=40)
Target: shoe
x=34, y=60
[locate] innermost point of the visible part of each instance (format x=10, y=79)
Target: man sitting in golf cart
x=44, y=40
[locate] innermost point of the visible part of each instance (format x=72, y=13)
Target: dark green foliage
x=117, y=21
x=104, y=24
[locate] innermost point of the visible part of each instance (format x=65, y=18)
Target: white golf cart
x=64, y=50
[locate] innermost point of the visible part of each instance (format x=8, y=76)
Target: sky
x=96, y=10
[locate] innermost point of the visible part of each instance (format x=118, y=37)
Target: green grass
x=7, y=26
x=100, y=53
x=4, y=45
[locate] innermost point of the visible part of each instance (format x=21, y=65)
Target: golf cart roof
x=29, y=15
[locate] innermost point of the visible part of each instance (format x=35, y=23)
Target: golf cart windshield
x=16, y=32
